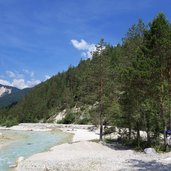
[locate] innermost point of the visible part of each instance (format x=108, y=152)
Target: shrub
x=69, y=118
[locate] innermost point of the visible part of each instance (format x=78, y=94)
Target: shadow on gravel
x=148, y=166
x=116, y=146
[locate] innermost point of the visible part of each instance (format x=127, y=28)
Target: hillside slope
x=130, y=83
x=4, y=90
x=75, y=87
x=11, y=95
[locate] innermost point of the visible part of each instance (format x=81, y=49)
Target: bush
x=10, y=122
x=69, y=118
x=83, y=121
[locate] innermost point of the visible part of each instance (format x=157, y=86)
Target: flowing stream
x=27, y=144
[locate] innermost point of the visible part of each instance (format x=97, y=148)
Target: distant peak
x=4, y=90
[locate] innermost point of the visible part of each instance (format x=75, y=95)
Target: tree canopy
x=130, y=83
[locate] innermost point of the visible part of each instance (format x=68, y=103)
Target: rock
x=149, y=151
x=12, y=166
x=19, y=160
x=168, y=159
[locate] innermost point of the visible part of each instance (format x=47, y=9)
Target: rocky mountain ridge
x=4, y=90
x=10, y=95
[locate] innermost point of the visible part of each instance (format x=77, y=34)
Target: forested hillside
x=130, y=82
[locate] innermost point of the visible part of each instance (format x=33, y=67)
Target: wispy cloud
x=10, y=74
x=21, y=83
x=17, y=74
x=85, y=47
x=21, y=80
x=30, y=73
x=14, y=74
x=18, y=79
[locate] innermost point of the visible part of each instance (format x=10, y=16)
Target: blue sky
x=39, y=38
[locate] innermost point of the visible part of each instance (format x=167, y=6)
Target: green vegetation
x=14, y=97
x=128, y=85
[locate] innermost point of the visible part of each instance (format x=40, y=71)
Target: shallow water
x=28, y=144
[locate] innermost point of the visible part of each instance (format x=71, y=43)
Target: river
x=27, y=144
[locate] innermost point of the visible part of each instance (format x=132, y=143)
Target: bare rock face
x=4, y=90
x=149, y=151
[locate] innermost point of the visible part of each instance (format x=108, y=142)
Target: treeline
x=130, y=82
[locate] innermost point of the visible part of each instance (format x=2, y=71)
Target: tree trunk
x=162, y=106
x=138, y=135
x=101, y=111
x=101, y=132
x=169, y=83
x=130, y=128
x=164, y=122
x=148, y=129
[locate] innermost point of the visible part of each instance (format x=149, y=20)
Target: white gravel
x=83, y=155
x=90, y=156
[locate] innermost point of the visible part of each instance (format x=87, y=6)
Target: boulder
x=149, y=151
x=19, y=160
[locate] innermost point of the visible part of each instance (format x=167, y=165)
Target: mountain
x=4, y=90
x=75, y=87
x=10, y=95
x=126, y=86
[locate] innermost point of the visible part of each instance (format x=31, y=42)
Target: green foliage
x=83, y=121
x=69, y=118
x=10, y=122
x=128, y=85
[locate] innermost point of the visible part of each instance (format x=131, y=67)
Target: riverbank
x=81, y=154
x=91, y=156
x=84, y=155
x=24, y=144
x=80, y=132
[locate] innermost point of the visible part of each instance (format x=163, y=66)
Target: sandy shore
x=83, y=155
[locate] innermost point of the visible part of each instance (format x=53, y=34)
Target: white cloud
x=20, y=83
x=19, y=80
x=82, y=45
x=47, y=77
x=32, y=83
x=5, y=82
x=85, y=47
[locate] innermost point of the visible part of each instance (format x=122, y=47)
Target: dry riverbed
x=84, y=155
